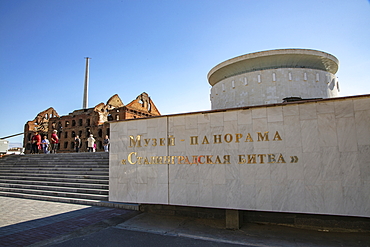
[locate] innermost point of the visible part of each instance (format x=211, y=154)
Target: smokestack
x=86, y=87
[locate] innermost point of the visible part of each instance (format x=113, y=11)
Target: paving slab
x=24, y=222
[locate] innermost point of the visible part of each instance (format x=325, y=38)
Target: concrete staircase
x=81, y=178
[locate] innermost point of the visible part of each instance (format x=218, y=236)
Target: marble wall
x=311, y=157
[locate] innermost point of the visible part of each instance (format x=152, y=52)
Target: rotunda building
x=269, y=77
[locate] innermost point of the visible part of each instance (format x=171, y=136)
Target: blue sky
x=164, y=48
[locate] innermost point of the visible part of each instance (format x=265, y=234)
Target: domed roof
x=273, y=59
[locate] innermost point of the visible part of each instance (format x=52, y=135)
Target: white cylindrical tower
x=268, y=77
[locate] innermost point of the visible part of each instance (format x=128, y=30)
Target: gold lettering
x=180, y=159
x=205, y=140
x=199, y=159
x=139, y=160
x=154, y=142
x=218, y=161
x=249, y=138
x=277, y=137
x=209, y=159
x=137, y=141
x=237, y=137
x=187, y=160
x=226, y=159
x=162, y=141
x=261, y=158
x=193, y=140
x=263, y=137
x=123, y=162
x=294, y=159
x=228, y=138
x=173, y=160
x=251, y=159
x=167, y=160
x=160, y=160
x=280, y=159
x=194, y=160
x=217, y=139
x=129, y=158
x=171, y=141
x=154, y=160
x=146, y=142
x=241, y=159
x=271, y=158
x=146, y=161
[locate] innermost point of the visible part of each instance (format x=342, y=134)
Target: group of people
x=51, y=146
x=46, y=146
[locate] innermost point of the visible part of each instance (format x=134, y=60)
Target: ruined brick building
x=84, y=122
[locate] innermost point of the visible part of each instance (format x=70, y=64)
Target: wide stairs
x=81, y=178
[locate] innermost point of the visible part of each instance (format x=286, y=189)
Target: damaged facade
x=84, y=122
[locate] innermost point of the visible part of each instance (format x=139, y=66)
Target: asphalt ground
x=25, y=222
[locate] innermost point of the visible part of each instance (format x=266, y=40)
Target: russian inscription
x=138, y=141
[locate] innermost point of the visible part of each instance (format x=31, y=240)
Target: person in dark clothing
x=77, y=143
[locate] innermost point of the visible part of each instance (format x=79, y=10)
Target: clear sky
x=162, y=47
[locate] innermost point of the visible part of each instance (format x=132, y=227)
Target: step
x=10, y=166
x=54, y=179
x=50, y=171
x=53, y=157
x=55, y=193
x=56, y=162
x=66, y=169
x=64, y=184
x=56, y=188
x=69, y=176
x=129, y=206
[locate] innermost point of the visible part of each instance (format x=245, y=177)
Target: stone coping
x=273, y=59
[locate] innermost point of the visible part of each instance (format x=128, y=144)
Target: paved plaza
x=25, y=222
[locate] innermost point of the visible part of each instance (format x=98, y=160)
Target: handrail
x=6, y=137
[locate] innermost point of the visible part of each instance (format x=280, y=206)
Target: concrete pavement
x=27, y=222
